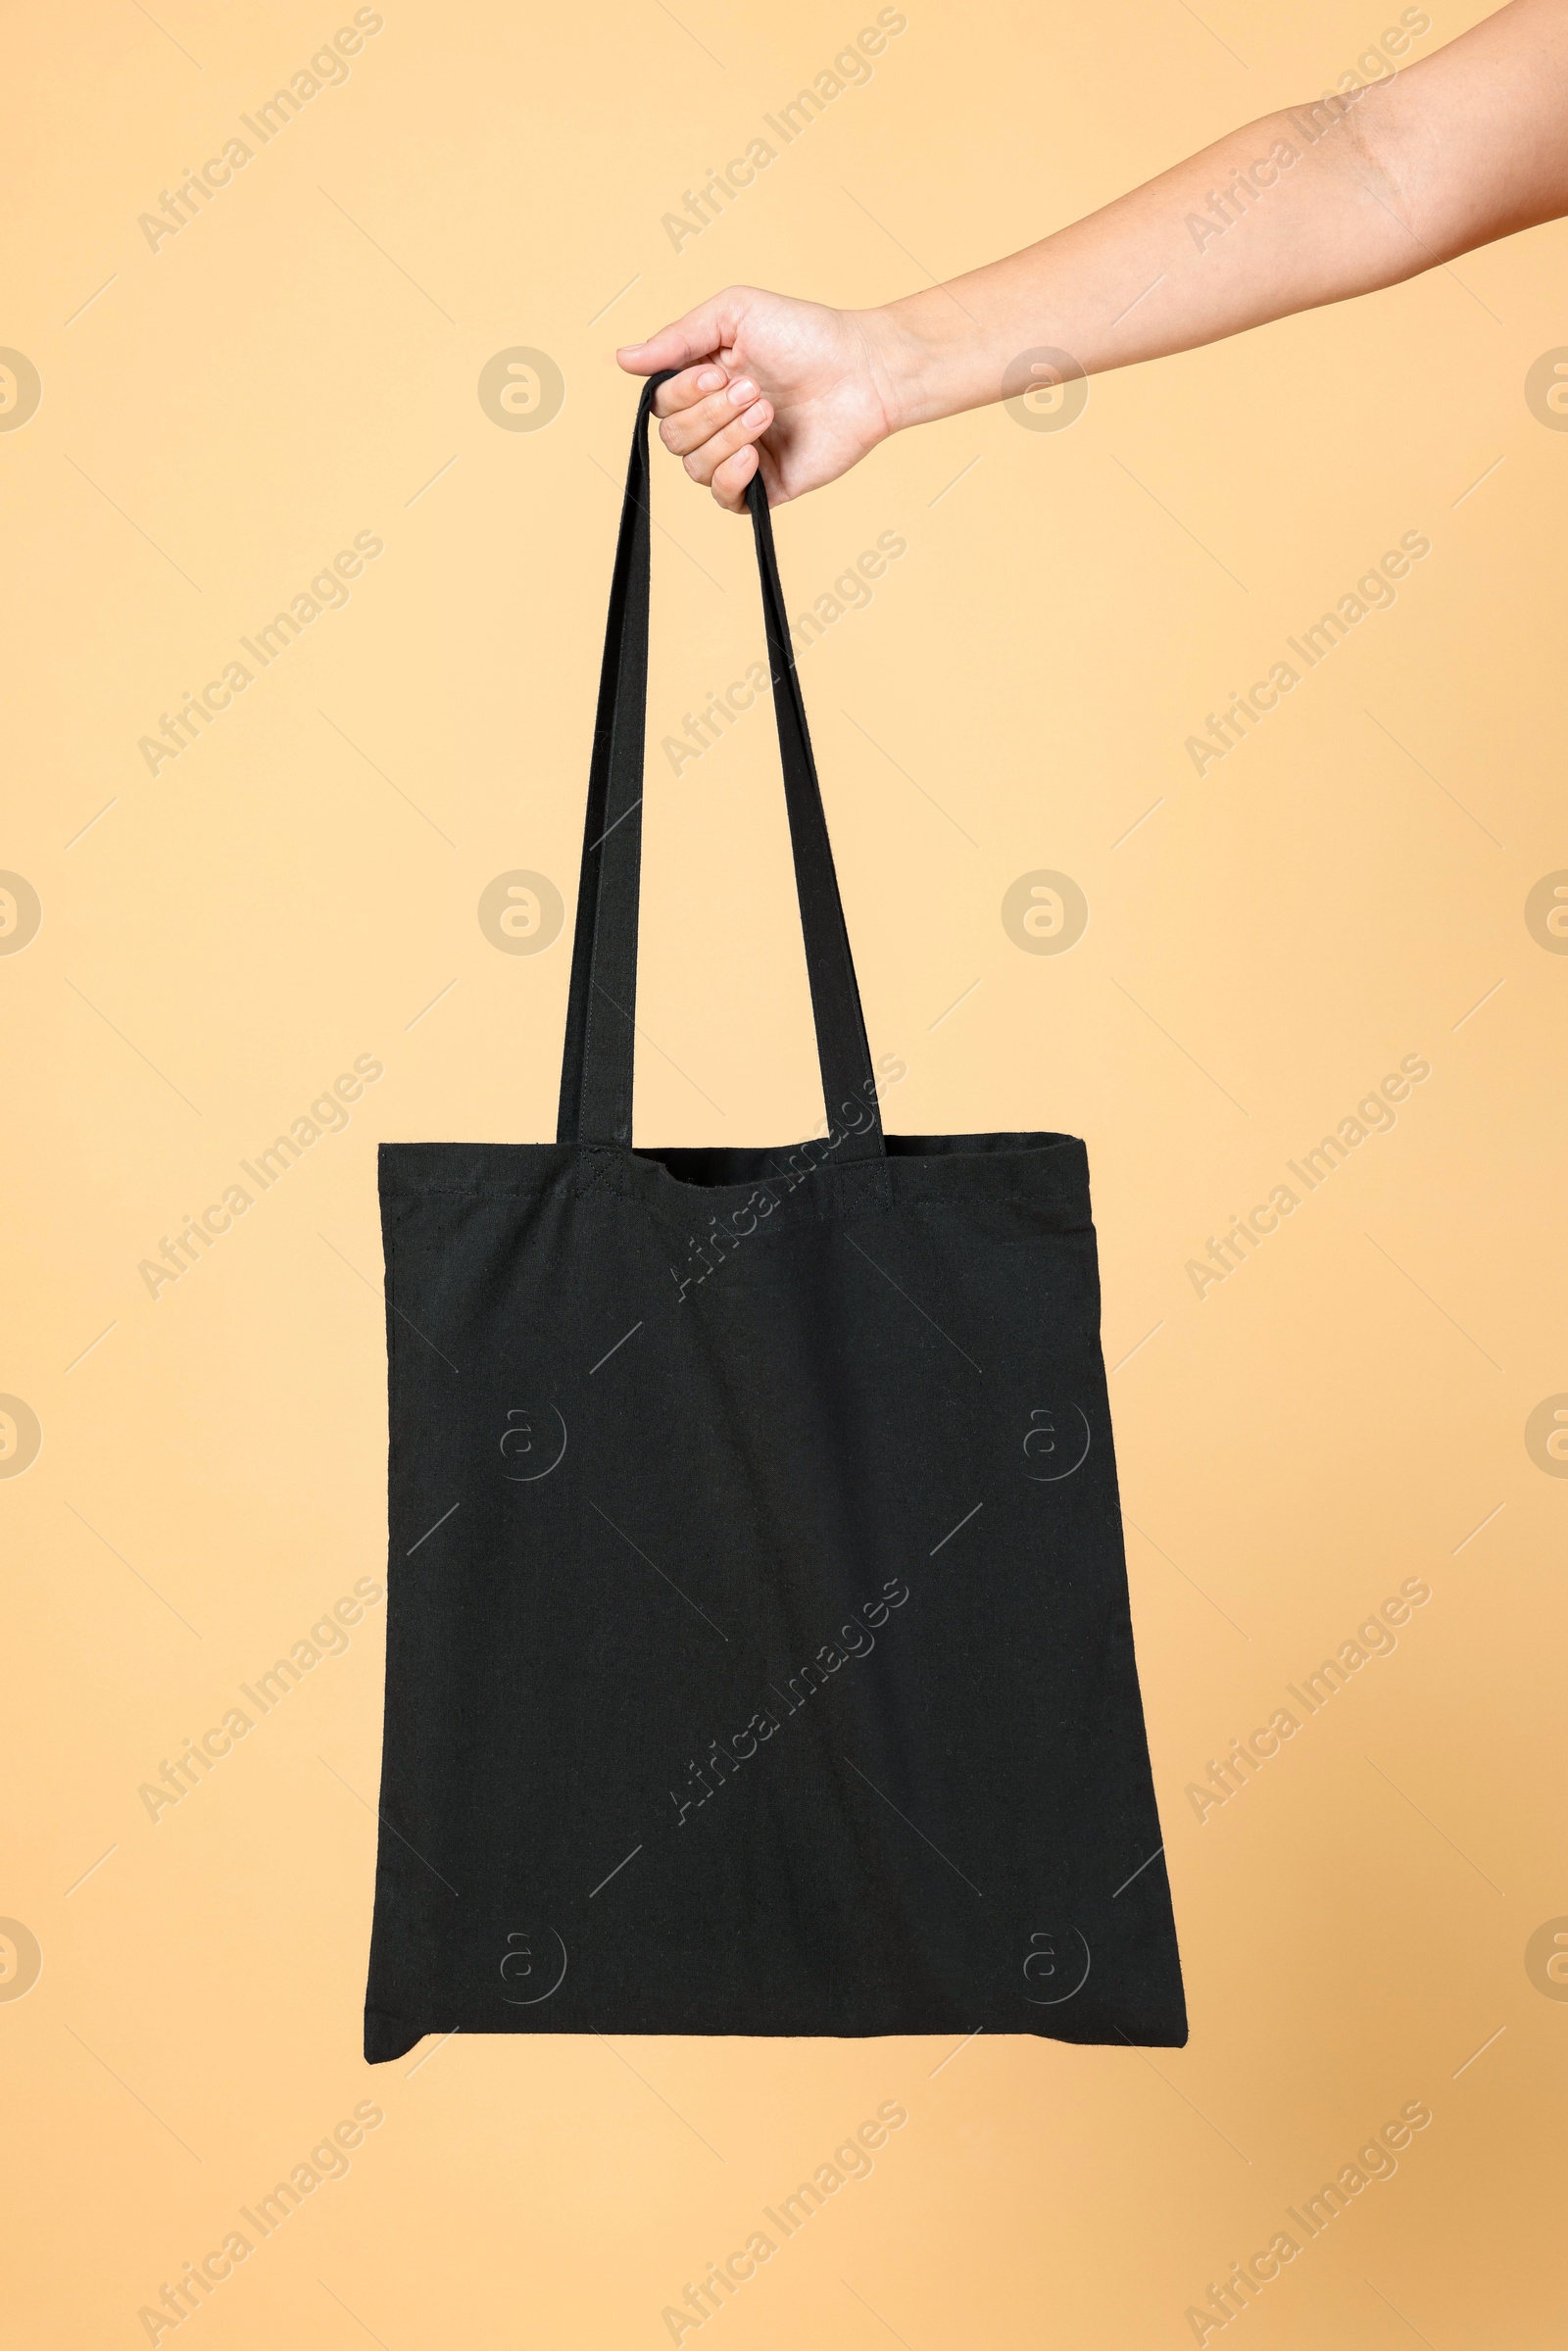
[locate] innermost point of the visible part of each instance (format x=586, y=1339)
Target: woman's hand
x=798, y=388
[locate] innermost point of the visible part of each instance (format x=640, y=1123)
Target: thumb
x=696, y=336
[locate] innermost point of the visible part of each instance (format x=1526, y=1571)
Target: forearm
x=1255, y=227
x=1303, y=207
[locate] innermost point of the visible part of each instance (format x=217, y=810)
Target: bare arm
x=1326, y=200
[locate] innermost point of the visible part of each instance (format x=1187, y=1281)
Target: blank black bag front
x=759, y=1652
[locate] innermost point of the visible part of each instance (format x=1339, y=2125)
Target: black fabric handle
x=596, y=1062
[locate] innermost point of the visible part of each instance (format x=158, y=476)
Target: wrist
x=905, y=358
x=934, y=355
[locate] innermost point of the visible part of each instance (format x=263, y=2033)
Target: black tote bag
x=759, y=1655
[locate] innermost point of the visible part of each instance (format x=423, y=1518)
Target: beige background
x=300, y=887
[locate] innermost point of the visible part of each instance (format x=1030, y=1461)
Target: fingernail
x=710, y=379
x=742, y=391
x=758, y=414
